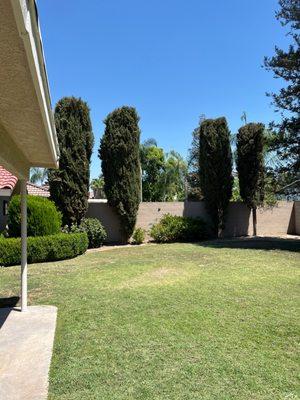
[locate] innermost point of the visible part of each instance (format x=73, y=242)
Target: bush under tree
x=138, y=236
x=69, y=185
x=42, y=217
x=174, y=228
x=120, y=155
x=215, y=170
x=94, y=230
x=250, y=166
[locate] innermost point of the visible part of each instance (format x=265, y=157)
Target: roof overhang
x=27, y=130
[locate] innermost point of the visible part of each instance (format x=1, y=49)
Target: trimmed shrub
x=173, y=228
x=95, y=231
x=138, y=236
x=43, y=248
x=42, y=217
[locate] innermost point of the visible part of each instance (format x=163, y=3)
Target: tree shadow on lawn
x=259, y=243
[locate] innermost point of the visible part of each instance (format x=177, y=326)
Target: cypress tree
x=69, y=185
x=120, y=155
x=250, y=166
x=215, y=167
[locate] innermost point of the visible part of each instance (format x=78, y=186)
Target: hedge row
x=43, y=248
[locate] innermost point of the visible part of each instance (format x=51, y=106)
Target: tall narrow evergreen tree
x=193, y=177
x=250, y=166
x=215, y=163
x=69, y=185
x=120, y=155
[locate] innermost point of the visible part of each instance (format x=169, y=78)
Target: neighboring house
x=9, y=185
x=36, y=190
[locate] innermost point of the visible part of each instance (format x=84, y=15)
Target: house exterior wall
x=277, y=221
x=3, y=217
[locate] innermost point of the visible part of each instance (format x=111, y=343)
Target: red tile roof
x=7, y=180
x=36, y=190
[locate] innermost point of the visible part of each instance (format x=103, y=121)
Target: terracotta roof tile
x=36, y=190
x=7, y=180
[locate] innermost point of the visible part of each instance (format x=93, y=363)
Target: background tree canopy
x=163, y=174
x=285, y=64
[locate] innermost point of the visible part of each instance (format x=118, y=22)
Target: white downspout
x=23, y=183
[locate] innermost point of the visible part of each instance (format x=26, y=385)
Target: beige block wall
x=108, y=218
x=297, y=217
x=277, y=221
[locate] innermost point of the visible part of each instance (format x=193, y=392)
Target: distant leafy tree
x=286, y=65
x=152, y=163
x=38, y=175
x=120, y=155
x=163, y=175
x=215, y=161
x=250, y=166
x=236, y=190
x=174, y=177
x=69, y=185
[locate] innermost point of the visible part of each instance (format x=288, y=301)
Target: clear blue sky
x=171, y=59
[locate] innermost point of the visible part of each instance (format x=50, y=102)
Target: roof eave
x=26, y=17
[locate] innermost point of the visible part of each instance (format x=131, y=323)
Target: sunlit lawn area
x=177, y=321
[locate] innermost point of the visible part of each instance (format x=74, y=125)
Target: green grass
x=177, y=321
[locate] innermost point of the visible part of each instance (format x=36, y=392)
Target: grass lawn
x=178, y=321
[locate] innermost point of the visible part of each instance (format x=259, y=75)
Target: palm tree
x=97, y=185
x=174, y=177
x=38, y=175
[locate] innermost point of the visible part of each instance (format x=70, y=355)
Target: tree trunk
x=254, y=221
x=220, y=231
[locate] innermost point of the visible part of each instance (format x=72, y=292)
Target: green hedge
x=42, y=217
x=43, y=248
x=172, y=228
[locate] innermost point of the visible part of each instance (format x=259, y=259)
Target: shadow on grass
x=9, y=301
x=259, y=243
